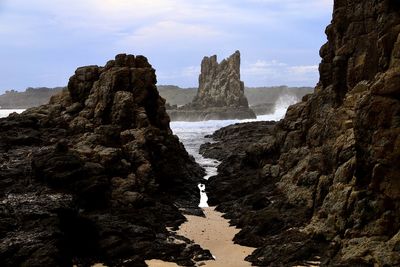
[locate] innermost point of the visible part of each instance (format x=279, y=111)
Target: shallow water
x=212, y=232
x=192, y=135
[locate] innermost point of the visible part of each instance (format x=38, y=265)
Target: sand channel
x=214, y=233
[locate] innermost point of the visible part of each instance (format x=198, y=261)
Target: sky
x=42, y=42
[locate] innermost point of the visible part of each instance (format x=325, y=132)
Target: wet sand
x=215, y=234
x=159, y=263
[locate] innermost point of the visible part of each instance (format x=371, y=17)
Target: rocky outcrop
x=220, y=94
x=96, y=175
x=323, y=184
x=220, y=84
x=260, y=99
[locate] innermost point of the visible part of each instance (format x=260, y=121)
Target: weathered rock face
x=220, y=95
x=325, y=180
x=96, y=174
x=220, y=84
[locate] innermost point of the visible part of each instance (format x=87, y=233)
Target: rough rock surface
x=325, y=181
x=220, y=94
x=96, y=175
x=220, y=84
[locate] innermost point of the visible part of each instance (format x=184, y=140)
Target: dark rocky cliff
x=96, y=175
x=325, y=181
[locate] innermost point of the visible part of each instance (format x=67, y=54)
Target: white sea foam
x=281, y=105
x=6, y=112
x=192, y=135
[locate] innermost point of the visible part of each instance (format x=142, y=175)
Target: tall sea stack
x=220, y=95
x=324, y=183
x=220, y=84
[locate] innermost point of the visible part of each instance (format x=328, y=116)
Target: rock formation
x=220, y=94
x=96, y=175
x=220, y=84
x=323, y=184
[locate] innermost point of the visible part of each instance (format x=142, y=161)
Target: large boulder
x=96, y=174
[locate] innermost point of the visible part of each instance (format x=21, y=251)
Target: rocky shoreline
x=250, y=198
x=323, y=183
x=96, y=175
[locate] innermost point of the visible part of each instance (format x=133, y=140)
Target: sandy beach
x=214, y=233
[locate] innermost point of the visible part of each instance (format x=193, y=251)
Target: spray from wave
x=281, y=105
x=192, y=135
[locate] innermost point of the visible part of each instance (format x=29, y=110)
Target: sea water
x=192, y=135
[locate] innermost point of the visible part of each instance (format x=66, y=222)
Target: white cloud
x=191, y=71
x=172, y=33
x=302, y=70
x=298, y=4
x=293, y=10
x=168, y=31
x=275, y=72
x=262, y=67
x=113, y=15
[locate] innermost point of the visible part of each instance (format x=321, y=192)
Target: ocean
x=192, y=135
